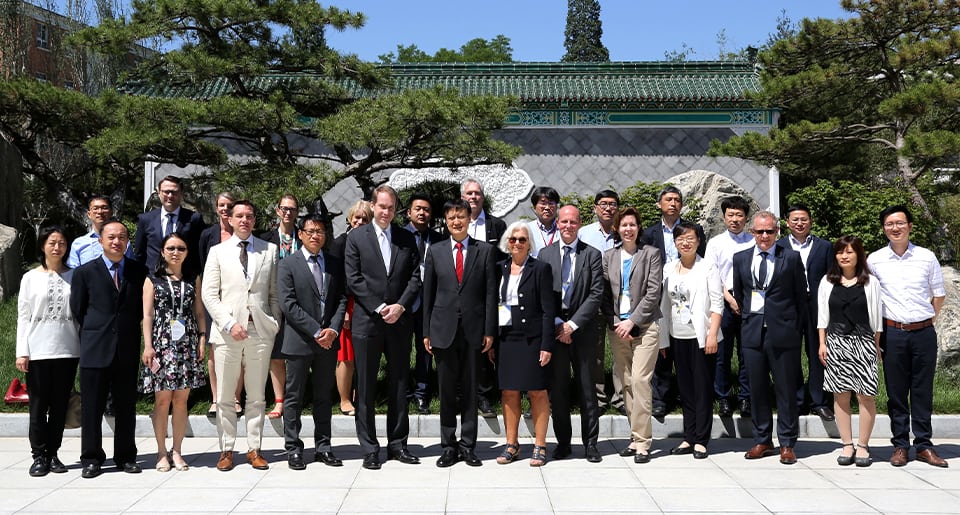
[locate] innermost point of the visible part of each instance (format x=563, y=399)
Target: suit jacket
x=471, y=303
x=536, y=312
x=785, y=301
x=587, y=281
x=208, y=238
x=646, y=275
x=301, y=306
x=369, y=281
x=495, y=228
x=818, y=262
x=653, y=235
x=273, y=236
x=150, y=233
x=109, y=319
x=228, y=295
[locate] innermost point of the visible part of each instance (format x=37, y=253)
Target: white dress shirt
x=907, y=282
x=720, y=251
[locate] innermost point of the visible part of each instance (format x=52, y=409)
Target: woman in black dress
x=850, y=323
x=527, y=310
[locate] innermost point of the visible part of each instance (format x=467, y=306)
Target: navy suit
x=109, y=354
x=146, y=244
x=771, y=340
x=818, y=262
x=423, y=361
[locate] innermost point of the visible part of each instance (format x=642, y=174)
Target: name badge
x=178, y=329
x=756, y=301
x=503, y=313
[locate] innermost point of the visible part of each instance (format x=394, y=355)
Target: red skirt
x=346, y=337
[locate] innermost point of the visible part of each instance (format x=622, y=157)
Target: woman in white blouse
x=48, y=348
x=692, y=306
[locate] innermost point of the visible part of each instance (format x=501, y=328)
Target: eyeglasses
x=312, y=232
x=99, y=208
x=764, y=231
x=897, y=224
x=517, y=240
x=175, y=249
x=287, y=209
x=169, y=192
x=607, y=205
x=546, y=203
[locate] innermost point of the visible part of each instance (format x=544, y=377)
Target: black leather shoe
x=700, y=455
x=724, y=409
x=40, y=467
x=628, y=451
x=592, y=454
x=641, y=457
x=423, y=406
x=470, y=458
x=371, y=461
x=327, y=458
x=825, y=413
x=57, y=466
x=91, y=471
x=562, y=451
x=659, y=411
x=448, y=458
x=295, y=461
x=403, y=456
x=131, y=467
x=485, y=408
x=745, y=408
x=677, y=451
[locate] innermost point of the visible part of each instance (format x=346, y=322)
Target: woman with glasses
x=174, y=335
x=526, y=317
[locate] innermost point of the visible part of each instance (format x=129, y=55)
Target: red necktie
x=459, y=263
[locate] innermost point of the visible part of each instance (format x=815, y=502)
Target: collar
x=665, y=226
x=573, y=244
x=380, y=231
x=481, y=218
x=770, y=252
x=235, y=240
x=465, y=242
x=175, y=212
x=907, y=253
x=804, y=243
x=109, y=263
x=740, y=238
x=543, y=228
x=306, y=253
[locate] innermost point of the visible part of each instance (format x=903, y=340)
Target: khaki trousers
x=633, y=362
x=254, y=356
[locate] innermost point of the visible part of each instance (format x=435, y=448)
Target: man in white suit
x=240, y=293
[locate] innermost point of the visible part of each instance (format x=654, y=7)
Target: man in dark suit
x=383, y=275
x=310, y=286
x=488, y=228
x=459, y=322
x=155, y=224
x=769, y=286
x=816, y=254
x=107, y=300
x=578, y=283
x=660, y=235
x=420, y=214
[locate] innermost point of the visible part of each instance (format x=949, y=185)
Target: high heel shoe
x=178, y=462
x=845, y=460
x=864, y=462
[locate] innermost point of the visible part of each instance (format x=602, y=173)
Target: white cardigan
x=46, y=328
x=706, y=297
x=874, y=306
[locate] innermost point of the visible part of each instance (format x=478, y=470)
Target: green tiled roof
x=634, y=83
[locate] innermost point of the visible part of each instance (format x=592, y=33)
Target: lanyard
x=177, y=311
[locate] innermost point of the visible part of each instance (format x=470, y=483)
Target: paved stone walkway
x=724, y=482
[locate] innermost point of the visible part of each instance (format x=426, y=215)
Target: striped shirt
x=908, y=283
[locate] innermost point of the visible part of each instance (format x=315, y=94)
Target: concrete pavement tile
x=556, y=478
x=89, y=499
x=243, y=477
x=317, y=475
x=878, y=476
x=706, y=499
x=907, y=501
x=17, y=478
x=13, y=499
x=516, y=500
x=787, y=477
x=601, y=499
x=378, y=500
x=398, y=475
x=673, y=477
x=492, y=475
x=186, y=499
x=954, y=492
x=781, y=499
x=266, y=500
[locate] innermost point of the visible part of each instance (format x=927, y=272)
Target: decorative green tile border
x=593, y=118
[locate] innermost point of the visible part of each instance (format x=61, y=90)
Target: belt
x=915, y=326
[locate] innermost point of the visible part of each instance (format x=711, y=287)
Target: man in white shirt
x=912, y=293
x=87, y=247
x=543, y=230
x=720, y=250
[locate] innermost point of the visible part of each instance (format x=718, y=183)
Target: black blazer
x=536, y=313
x=587, y=285
x=150, y=233
x=448, y=304
x=370, y=284
x=109, y=319
x=653, y=235
x=300, y=303
x=785, y=303
x=273, y=236
x=208, y=238
x=818, y=262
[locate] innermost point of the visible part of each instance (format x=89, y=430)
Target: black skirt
x=518, y=362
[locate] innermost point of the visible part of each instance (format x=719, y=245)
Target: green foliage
x=641, y=196
x=477, y=50
x=582, y=37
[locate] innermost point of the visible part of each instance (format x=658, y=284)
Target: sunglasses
x=175, y=249
x=517, y=240
x=765, y=231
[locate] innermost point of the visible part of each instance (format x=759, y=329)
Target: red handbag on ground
x=16, y=393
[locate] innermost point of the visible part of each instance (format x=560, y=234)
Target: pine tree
x=584, y=29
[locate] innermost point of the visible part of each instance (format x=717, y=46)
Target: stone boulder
x=710, y=188
x=948, y=323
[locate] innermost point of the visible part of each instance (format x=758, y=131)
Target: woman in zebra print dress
x=849, y=321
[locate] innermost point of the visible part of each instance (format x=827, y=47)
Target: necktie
x=316, y=266
x=170, y=226
x=243, y=255
x=565, y=275
x=762, y=272
x=385, y=250
x=422, y=244
x=115, y=272
x=459, y=263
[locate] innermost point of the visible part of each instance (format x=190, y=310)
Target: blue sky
x=633, y=30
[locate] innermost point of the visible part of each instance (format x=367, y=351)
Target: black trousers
x=811, y=393
x=487, y=386
x=392, y=341
x=581, y=356
x=662, y=383
x=49, y=382
x=320, y=371
x=695, y=371
x=457, y=378
x=909, y=362
x=783, y=364
x=722, y=387
x=120, y=380
x=423, y=361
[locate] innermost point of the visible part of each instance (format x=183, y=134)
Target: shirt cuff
x=380, y=308
x=573, y=326
x=230, y=324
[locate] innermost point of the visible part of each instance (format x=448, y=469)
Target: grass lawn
x=946, y=397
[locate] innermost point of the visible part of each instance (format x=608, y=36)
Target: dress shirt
x=165, y=219
x=234, y=241
x=804, y=250
x=46, y=328
x=573, y=277
x=109, y=265
x=453, y=250
x=669, y=247
x=720, y=250
x=478, y=228
x=86, y=248
x=594, y=236
x=309, y=256
x=755, y=268
x=907, y=282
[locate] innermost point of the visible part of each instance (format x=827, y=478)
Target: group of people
x=520, y=308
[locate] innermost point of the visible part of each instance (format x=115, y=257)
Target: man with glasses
x=543, y=230
x=770, y=288
x=912, y=293
x=87, y=247
x=155, y=224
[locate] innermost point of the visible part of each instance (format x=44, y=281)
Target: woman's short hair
x=623, y=213
x=505, y=238
x=362, y=206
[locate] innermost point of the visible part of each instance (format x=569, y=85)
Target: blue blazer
x=146, y=246
x=785, y=303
